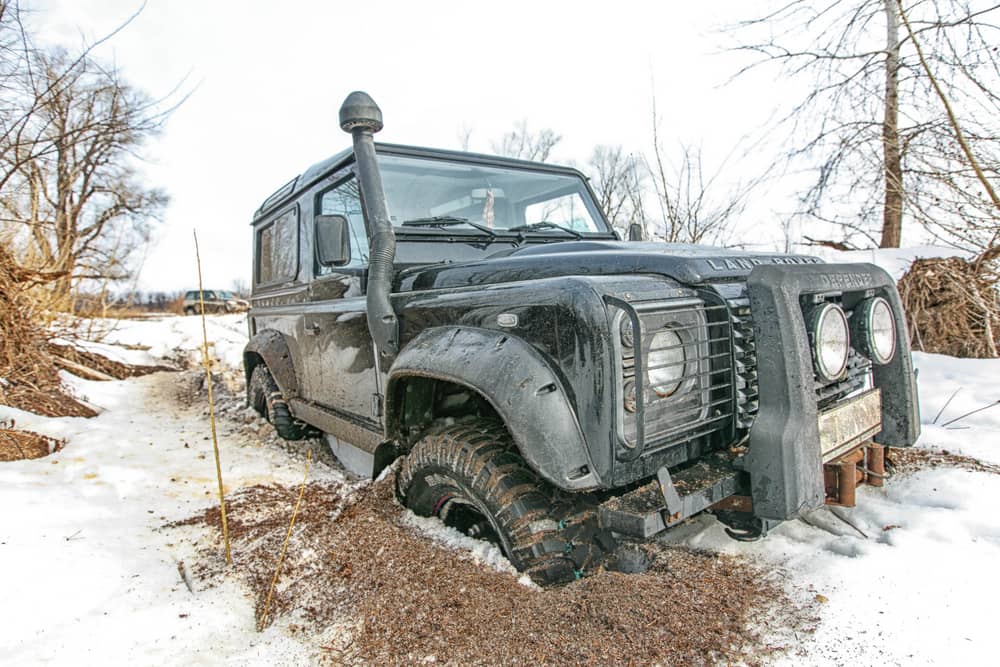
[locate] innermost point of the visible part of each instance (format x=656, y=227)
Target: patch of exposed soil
x=369, y=589
x=98, y=362
x=909, y=460
x=17, y=445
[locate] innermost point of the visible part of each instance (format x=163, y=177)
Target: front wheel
x=472, y=478
x=264, y=396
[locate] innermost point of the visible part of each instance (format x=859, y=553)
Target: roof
x=320, y=170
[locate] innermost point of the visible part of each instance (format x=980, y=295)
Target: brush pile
x=952, y=307
x=29, y=377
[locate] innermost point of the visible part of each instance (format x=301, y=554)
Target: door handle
x=313, y=328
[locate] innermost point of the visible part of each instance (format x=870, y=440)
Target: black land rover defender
x=548, y=386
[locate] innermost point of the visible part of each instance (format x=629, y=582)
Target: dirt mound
x=951, y=308
x=368, y=588
x=17, y=445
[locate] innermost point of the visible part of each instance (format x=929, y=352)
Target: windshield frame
x=436, y=232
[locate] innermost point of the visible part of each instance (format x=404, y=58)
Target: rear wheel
x=265, y=397
x=472, y=478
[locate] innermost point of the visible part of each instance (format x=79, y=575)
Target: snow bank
x=165, y=336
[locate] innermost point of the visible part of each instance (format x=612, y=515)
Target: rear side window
x=278, y=248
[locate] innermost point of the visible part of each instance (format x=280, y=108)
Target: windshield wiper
x=545, y=224
x=435, y=221
x=447, y=221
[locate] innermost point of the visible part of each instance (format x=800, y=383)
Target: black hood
x=689, y=264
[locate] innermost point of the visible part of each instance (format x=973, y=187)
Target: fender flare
x=271, y=346
x=520, y=385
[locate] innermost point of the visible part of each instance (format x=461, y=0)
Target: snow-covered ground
x=92, y=578
x=918, y=587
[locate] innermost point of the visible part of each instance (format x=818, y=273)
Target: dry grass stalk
x=284, y=546
x=952, y=308
x=211, y=404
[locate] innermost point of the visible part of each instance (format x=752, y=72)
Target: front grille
x=857, y=378
x=697, y=403
x=745, y=362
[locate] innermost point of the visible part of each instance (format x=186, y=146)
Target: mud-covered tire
x=189, y=311
x=264, y=396
x=550, y=535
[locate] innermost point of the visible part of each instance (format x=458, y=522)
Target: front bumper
x=797, y=457
x=784, y=459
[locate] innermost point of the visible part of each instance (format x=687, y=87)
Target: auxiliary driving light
x=878, y=330
x=831, y=341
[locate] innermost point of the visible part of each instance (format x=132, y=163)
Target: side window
x=345, y=200
x=278, y=248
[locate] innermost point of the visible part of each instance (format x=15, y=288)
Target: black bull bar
x=783, y=465
x=784, y=460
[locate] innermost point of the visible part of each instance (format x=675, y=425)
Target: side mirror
x=333, y=240
x=635, y=232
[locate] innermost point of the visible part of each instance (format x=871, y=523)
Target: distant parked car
x=216, y=301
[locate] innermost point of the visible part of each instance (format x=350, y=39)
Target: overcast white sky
x=268, y=79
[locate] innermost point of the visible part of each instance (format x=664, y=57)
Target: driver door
x=340, y=363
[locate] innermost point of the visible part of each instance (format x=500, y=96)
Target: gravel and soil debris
x=909, y=460
x=361, y=582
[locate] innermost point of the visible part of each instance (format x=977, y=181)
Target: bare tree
x=695, y=206
x=465, y=137
x=240, y=287
x=618, y=179
x=70, y=188
x=869, y=129
x=526, y=144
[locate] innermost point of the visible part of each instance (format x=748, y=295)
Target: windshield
x=226, y=295
x=424, y=192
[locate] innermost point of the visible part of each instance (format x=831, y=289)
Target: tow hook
x=842, y=476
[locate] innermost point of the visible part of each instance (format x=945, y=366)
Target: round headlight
x=831, y=341
x=628, y=338
x=665, y=366
x=630, y=398
x=879, y=330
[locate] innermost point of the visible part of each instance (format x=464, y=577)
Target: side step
x=666, y=501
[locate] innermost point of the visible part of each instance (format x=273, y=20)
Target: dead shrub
x=951, y=307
